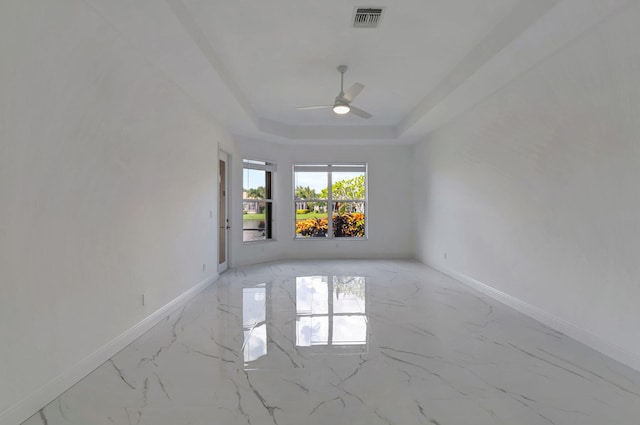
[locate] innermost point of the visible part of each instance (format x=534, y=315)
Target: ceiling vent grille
x=367, y=17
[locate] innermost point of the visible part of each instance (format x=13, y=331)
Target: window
x=257, y=202
x=333, y=190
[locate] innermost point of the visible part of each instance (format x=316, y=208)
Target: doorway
x=223, y=211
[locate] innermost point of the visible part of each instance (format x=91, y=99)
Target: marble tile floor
x=349, y=343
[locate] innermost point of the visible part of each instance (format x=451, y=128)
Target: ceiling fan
x=342, y=104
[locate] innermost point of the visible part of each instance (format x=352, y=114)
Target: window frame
x=327, y=167
x=270, y=168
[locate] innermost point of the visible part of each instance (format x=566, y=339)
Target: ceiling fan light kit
x=342, y=103
x=341, y=108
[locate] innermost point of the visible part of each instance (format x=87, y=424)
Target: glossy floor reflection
x=349, y=342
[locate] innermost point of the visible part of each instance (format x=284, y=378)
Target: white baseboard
x=554, y=322
x=30, y=405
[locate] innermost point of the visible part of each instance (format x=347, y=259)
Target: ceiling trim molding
x=522, y=17
x=200, y=39
x=327, y=132
x=560, y=27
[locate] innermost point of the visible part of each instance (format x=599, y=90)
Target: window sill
x=261, y=241
x=331, y=239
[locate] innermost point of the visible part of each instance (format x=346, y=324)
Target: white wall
x=389, y=203
x=534, y=192
x=108, y=173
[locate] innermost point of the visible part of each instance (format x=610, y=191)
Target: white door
x=223, y=211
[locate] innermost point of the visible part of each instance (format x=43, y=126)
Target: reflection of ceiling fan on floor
x=342, y=104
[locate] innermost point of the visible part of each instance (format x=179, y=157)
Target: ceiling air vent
x=367, y=17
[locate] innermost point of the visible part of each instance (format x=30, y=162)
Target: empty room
x=319, y=212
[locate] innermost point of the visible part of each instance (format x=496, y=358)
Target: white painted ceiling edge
x=166, y=34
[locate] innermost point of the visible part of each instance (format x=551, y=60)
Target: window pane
x=309, y=185
x=348, y=219
x=254, y=184
x=312, y=223
x=256, y=220
x=347, y=185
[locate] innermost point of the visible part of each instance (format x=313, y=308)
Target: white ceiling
x=251, y=63
x=284, y=53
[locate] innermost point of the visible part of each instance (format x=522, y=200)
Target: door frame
x=224, y=223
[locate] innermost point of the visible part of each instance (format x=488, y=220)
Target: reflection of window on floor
x=330, y=310
x=254, y=322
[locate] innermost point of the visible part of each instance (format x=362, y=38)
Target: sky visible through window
x=318, y=181
x=253, y=179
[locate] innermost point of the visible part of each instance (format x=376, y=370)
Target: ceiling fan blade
x=359, y=112
x=314, y=107
x=353, y=91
